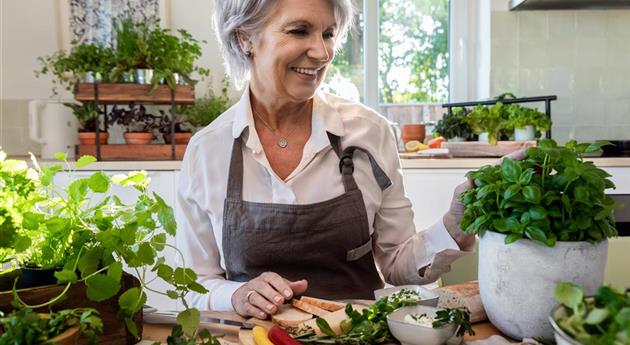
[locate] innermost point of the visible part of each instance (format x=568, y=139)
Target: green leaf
x=189, y=320
x=194, y=286
x=526, y=177
x=569, y=294
x=172, y=294
x=85, y=160
x=179, y=277
x=511, y=191
x=131, y=301
x=325, y=327
x=596, y=316
x=65, y=276
x=581, y=194
x=128, y=233
x=31, y=221
x=61, y=156
x=78, y=189
x=89, y=261
x=532, y=194
x=538, y=212
x=158, y=241
x=511, y=170
x=48, y=173
x=536, y=234
x=165, y=272
x=166, y=216
x=511, y=238
x=99, y=182
x=145, y=253
x=21, y=243
x=115, y=271
x=101, y=287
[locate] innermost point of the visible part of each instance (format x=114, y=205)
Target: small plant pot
x=89, y=138
x=68, y=337
x=413, y=131
x=484, y=137
x=33, y=277
x=144, y=76
x=138, y=138
x=179, y=80
x=180, y=138
x=524, y=134
x=91, y=77
x=128, y=77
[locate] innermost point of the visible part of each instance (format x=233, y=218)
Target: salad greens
x=603, y=319
x=551, y=195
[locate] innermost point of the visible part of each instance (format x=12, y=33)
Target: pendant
x=282, y=142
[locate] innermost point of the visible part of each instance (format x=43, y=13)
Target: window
x=412, y=78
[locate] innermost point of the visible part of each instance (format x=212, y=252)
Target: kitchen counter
x=419, y=163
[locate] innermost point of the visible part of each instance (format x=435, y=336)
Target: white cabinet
x=162, y=183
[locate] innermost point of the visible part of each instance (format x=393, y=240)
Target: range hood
x=523, y=5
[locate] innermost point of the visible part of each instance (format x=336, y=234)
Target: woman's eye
x=298, y=32
x=329, y=35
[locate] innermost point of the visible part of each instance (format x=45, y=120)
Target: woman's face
x=292, y=52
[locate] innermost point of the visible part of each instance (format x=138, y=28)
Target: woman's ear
x=244, y=42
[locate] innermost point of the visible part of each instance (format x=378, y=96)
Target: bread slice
x=322, y=303
x=334, y=320
x=463, y=295
x=309, y=308
x=288, y=316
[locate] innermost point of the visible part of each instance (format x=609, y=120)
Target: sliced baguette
x=322, y=303
x=463, y=295
x=334, y=319
x=288, y=316
x=309, y=308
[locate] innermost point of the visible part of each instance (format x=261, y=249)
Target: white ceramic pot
x=484, y=137
x=525, y=134
x=517, y=281
x=53, y=125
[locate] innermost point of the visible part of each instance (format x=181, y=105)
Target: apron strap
x=346, y=166
x=235, y=175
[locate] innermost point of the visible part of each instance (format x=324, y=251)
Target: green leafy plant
x=90, y=233
x=453, y=125
x=456, y=316
x=551, y=195
x=25, y=327
x=520, y=117
x=178, y=337
x=602, y=319
x=86, y=114
x=132, y=47
x=491, y=120
x=208, y=108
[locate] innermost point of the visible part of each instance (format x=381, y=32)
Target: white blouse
x=398, y=250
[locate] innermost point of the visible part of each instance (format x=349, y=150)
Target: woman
x=294, y=191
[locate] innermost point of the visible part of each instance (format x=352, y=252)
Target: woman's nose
x=319, y=50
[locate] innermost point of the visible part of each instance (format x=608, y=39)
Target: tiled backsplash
x=583, y=57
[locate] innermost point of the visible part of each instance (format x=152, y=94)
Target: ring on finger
x=248, y=295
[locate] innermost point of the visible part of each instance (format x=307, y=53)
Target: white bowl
x=561, y=337
x=427, y=296
x=410, y=334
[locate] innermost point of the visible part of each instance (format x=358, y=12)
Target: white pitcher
x=53, y=125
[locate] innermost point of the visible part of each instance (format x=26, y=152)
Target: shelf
x=125, y=93
x=125, y=152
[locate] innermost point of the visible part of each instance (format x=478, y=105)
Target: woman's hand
x=263, y=295
x=454, y=215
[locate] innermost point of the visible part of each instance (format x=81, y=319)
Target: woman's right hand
x=263, y=295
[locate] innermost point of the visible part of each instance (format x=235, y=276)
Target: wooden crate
x=114, y=330
x=125, y=152
x=125, y=93
x=483, y=149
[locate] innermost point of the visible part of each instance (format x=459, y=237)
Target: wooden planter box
x=125, y=152
x=139, y=93
x=114, y=330
x=483, y=149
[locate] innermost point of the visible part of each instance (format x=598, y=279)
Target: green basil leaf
x=511, y=238
x=532, y=194
x=526, y=176
x=538, y=212
x=581, y=194
x=511, y=170
x=325, y=327
x=511, y=191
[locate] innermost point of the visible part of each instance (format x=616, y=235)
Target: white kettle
x=53, y=125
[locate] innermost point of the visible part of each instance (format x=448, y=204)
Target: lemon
x=415, y=145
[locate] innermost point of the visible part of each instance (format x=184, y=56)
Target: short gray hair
x=249, y=16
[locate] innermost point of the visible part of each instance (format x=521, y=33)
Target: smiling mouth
x=307, y=71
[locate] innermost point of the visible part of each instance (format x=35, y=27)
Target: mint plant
x=88, y=233
x=551, y=195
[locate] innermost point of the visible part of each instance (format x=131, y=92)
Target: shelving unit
x=106, y=93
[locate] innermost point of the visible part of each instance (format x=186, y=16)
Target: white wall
x=583, y=57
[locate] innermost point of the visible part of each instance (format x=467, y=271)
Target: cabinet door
x=162, y=183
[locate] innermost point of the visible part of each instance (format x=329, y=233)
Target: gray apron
x=328, y=243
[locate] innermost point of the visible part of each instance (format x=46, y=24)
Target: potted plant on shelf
x=528, y=123
x=88, y=117
x=182, y=129
x=208, y=108
x=138, y=123
x=132, y=52
x=453, y=126
x=25, y=327
x=100, y=234
x=541, y=220
x=488, y=122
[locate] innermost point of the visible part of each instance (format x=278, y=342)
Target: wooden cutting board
x=482, y=149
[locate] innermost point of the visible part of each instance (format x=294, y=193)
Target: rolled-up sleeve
x=196, y=241
x=399, y=250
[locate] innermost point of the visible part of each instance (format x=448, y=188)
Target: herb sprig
x=457, y=316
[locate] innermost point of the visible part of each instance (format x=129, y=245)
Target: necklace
x=282, y=141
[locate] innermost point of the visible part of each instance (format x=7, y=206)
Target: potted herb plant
x=182, y=129
x=453, y=126
x=86, y=113
x=488, y=122
x=541, y=220
x=100, y=234
x=600, y=319
x=132, y=52
x=25, y=327
x=528, y=123
x=208, y=108
x=138, y=123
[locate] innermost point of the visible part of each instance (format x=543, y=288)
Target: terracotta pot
x=89, y=138
x=138, y=138
x=180, y=138
x=413, y=131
